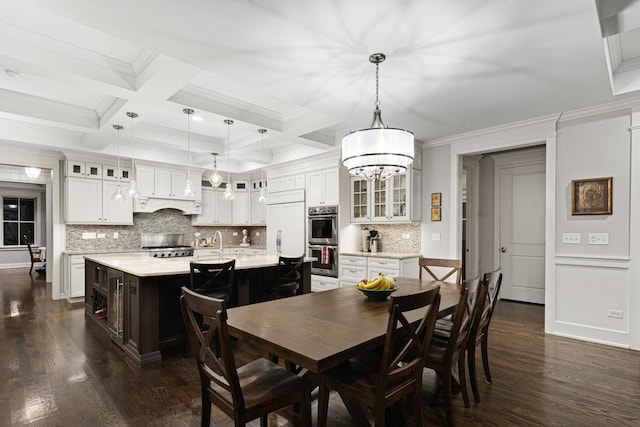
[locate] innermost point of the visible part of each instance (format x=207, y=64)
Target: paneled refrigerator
x=286, y=219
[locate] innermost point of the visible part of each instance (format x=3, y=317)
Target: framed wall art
x=435, y=214
x=591, y=196
x=436, y=199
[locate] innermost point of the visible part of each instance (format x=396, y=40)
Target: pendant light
x=378, y=152
x=215, y=179
x=188, y=187
x=118, y=196
x=228, y=192
x=133, y=189
x=262, y=198
x=32, y=173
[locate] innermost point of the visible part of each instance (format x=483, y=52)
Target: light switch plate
x=102, y=235
x=406, y=236
x=571, y=238
x=598, y=238
x=88, y=235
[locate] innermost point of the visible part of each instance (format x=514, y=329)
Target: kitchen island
x=134, y=298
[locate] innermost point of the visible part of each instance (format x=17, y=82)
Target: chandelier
x=188, y=187
x=133, y=190
x=118, y=196
x=228, y=192
x=262, y=198
x=378, y=152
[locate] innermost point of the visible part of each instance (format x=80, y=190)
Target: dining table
x=321, y=330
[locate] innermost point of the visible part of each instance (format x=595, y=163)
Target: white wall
x=583, y=281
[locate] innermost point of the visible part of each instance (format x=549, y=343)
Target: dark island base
x=142, y=314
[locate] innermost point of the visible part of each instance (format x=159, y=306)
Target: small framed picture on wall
x=436, y=199
x=592, y=196
x=435, y=214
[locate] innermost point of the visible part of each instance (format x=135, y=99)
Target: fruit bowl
x=378, y=293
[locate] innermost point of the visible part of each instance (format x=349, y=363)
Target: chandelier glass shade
x=215, y=179
x=377, y=152
x=118, y=196
x=133, y=189
x=228, y=192
x=188, y=187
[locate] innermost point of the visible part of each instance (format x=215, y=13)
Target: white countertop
x=144, y=265
x=394, y=255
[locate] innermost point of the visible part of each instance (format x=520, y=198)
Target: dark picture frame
x=592, y=196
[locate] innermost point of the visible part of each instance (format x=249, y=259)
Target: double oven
x=323, y=240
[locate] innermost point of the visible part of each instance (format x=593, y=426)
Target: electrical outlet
x=571, y=238
x=102, y=235
x=435, y=237
x=616, y=314
x=196, y=234
x=88, y=235
x=115, y=235
x=598, y=238
x=257, y=233
x=406, y=236
x=235, y=233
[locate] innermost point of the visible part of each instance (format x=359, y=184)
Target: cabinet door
x=331, y=187
x=315, y=188
x=207, y=215
x=398, y=198
x=76, y=276
x=242, y=208
x=258, y=209
x=286, y=225
x=163, y=184
x=145, y=180
x=380, y=201
x=83, y=201
x=223, y=209
x=178, y=182
x=115, y=212
x=360, y=204
x=116, y=297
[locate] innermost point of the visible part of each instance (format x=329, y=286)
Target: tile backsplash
x=392, y=237
x=162, y=221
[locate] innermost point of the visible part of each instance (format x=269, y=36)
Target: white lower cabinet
x=73, y=276
x=323, y=283
x=354, y=268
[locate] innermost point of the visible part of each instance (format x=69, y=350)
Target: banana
x=374, y=284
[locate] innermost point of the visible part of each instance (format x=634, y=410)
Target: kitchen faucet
x=218, y=236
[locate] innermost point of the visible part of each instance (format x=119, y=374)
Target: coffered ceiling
x=73, y=68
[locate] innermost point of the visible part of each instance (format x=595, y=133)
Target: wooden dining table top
x=321, y=330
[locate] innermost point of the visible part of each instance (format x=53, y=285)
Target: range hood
x=188, y=207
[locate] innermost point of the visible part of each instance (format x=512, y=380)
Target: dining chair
x=289, y=277
x=448, y=347
x=378, y=380
x=480, y=333
x=213, y=279
x=35, y=256
x=440, y=269
x=243, y=393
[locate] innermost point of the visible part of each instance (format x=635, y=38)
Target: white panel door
x=522, y=232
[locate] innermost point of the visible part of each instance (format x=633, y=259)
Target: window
x=18, y=219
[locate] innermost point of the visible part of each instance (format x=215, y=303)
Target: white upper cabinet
x=82, y=169
x=242, y=208
x=322, y=187
x=216, y=210
x=88, y=201
x=258, y=210
x=145, y=180
x=394, y=200
x=162, y=183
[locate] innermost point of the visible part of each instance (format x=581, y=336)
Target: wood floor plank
x=56, y=371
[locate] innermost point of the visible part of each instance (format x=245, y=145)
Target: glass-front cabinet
x=386, y=201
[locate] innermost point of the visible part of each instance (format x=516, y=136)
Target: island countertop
x=144, y=265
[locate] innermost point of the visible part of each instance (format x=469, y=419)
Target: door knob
x=503, y=249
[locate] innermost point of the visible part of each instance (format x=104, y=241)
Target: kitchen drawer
x=356, y=272
x=352, y=260
x=347, y=281
x=322, y=283
x=384, y=263
x=387, y=271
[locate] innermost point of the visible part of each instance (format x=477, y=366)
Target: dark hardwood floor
x=56, y=372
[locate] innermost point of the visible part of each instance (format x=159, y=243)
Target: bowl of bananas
x=379, y=288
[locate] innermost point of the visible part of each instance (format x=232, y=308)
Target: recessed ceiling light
x=197, y=118
x=10, y=73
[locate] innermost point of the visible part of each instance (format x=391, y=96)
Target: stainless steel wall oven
x=323, y=240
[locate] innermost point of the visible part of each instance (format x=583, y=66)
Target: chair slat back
x=213, y=279
x=493, y=281
x=206, y=344
x=441, y=269
x=289, y=268
x=406, y=342
x=470, y=305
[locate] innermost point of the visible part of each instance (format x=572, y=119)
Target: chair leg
x=264, y=420
x=305, y=410
x=31, y=267
x=485, y=357
x=417, y=406
x=471, y=362
x=447, y=392
x=206, y=411
x=463, y=380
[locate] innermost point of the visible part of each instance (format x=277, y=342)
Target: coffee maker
x=365, y=243
x=370, y=241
